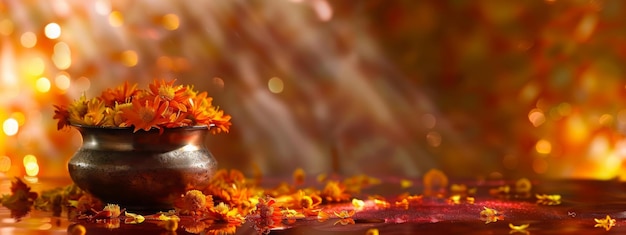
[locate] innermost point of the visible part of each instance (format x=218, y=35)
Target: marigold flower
x=167, y=91
x=114, y=115
x=194, y=202
x=606, y=223
x=163, y=105
x=119, y=95
x=224, y=212
x=550, y=200
x=490, y=215
x=147, y=115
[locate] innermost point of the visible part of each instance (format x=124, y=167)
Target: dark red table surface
x=582, y=201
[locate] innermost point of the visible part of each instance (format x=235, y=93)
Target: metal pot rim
x=197, y=127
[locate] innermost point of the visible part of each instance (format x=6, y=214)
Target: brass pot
x=144, y=170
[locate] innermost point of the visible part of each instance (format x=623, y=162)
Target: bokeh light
x=130, y=58
x=34, y=66
x=43, y=85
x=103, y=7
x=543, y=146
x=10, y=127
x=536, y=117
x=5, y=164
x=62, y=81
x=116, y=19
x=171, y=22
x=30, y=165
x=28, y=39
x=275, y=85
x=52, y=31
x=62, y=56
x=82, y=84
x=433, y=138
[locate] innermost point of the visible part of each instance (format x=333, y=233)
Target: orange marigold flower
x=163, y=105
x=193, y=202
x=224, y=212
x=147, y=115
x=177, y=95
x=119, y=95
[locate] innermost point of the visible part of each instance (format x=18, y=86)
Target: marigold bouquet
x=163, y=105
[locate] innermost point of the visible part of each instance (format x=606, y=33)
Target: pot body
x=144, y=170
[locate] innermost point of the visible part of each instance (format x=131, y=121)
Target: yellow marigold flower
x=114, y=115
x=490, y=215
x=606, y=223
x=550, y=200
x=87, y=112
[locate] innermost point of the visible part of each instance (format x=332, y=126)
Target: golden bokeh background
x=478, y=89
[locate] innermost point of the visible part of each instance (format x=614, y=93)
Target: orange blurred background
x=475, y=88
